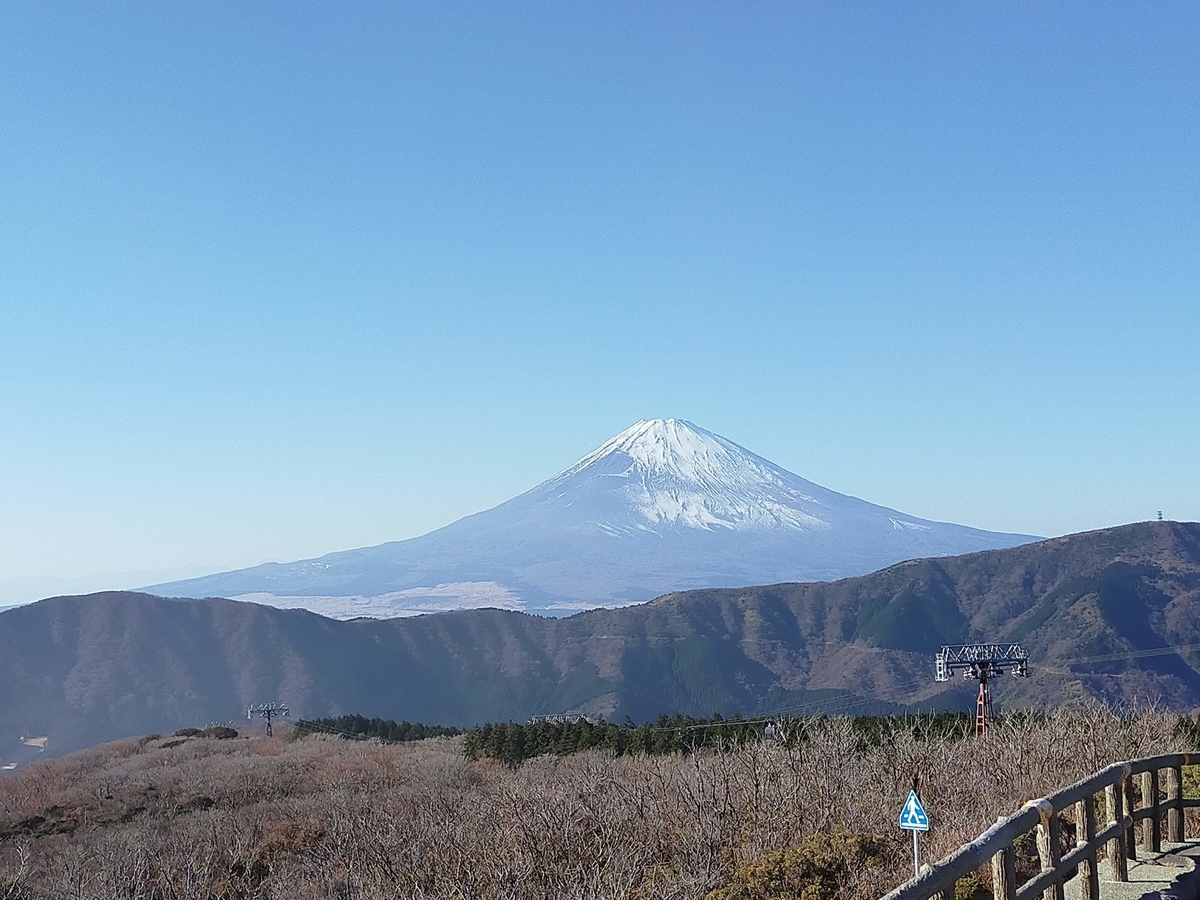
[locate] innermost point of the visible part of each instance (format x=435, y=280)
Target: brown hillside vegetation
x=197, y=817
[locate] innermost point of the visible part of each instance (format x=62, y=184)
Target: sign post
x=913, y=818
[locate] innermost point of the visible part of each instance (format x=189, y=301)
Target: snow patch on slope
x=902, y=525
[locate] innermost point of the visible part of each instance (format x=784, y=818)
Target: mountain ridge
x=84, y=669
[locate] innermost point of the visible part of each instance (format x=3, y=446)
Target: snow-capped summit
x=670, y=446
x=665, y=505
x=669, y=472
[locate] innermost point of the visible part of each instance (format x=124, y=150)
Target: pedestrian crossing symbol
x=912, y=817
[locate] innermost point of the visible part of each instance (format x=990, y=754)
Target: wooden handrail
x=1117, y=835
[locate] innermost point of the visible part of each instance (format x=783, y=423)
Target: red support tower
x=982, y=662
x=983, y=708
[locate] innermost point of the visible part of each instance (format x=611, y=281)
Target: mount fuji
x=663, y=506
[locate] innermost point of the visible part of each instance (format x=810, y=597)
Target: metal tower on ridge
x=268, y=711
x=982, y=662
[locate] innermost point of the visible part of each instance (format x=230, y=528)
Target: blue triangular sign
x=912, y=817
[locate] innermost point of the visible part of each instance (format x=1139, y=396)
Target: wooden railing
x=1117, y=838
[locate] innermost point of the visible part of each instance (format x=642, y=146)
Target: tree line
x=514, y=742
x=360, y=727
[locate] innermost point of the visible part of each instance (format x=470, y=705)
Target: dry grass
x=324, y=818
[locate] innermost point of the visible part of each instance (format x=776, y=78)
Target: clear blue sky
x=278, y=278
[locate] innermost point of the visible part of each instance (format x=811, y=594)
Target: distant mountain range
x=663, y=506
x=1099, y=613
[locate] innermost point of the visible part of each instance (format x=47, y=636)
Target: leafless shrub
x=323, y=818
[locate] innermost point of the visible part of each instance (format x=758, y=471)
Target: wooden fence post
x=1049, y=836
x=1175, y=804
x=1004, y=874
x=1151, y=827
x=1117, y=865
x=1085, y=833
x=1127, y=807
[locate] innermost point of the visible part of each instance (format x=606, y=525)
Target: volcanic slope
x=663, y=506
x=1099, y=613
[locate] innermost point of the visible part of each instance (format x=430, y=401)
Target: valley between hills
x=1111, y=614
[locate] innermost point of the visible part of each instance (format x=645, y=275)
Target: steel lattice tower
x=982, y=662
x=268, y=711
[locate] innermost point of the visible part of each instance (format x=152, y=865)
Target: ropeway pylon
x=982, y=662
x=268, y=711
x=983, y=708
